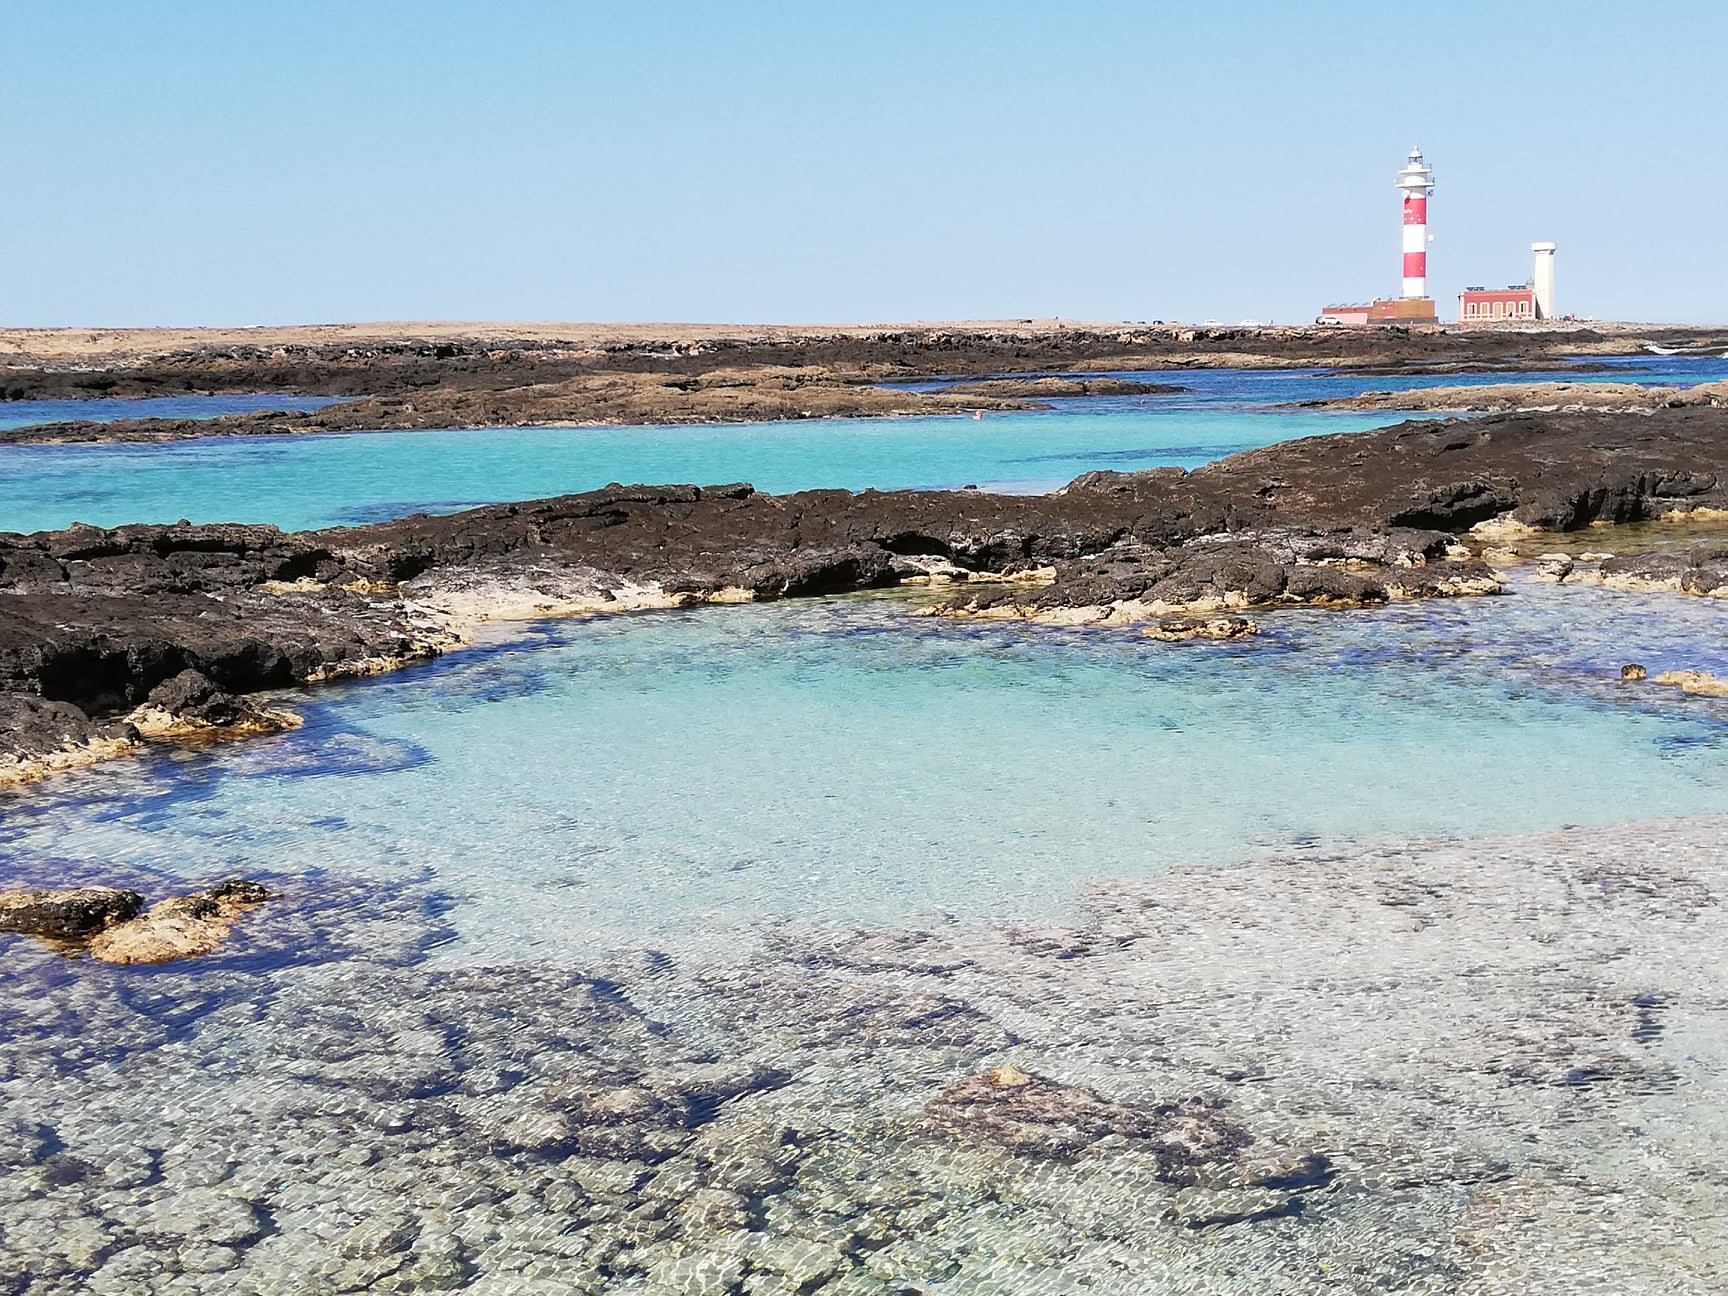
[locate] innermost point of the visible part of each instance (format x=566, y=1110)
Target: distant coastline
x=407, y=376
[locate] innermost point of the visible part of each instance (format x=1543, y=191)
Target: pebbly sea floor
x=817, y=948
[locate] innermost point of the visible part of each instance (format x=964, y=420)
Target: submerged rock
x=67, y=915
x=181, y=927
x=642, y=1117
x=111, y=924
x=1389, y=1027
x=1032, y=1116
x=1200, y=1207
x=1698, y=683
x=1178, y=631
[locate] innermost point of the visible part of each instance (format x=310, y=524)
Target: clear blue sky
x=183, y=162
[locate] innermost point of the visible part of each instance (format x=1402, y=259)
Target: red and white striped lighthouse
x=1417, y=182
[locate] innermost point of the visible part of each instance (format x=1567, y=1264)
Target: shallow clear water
x=670, y=779
x=618, y=856
x=313, y=481
x=1233, y=388
x=15, y=414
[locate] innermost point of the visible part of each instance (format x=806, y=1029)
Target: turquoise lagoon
x=331, y=480
x=325, y=480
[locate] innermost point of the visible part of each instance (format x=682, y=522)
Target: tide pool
x=671, y=780
x=298, y=482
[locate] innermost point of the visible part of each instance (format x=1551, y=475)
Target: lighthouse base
x=1403, y=310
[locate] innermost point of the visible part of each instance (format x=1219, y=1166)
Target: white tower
x=1543, y=279
x=1417, y=182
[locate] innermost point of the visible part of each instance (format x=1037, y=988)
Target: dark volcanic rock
x=67, y=915
x=762, y=393
x=430, y=382
x=35, y=726
x=1131, y=582
x=106, y=653
x=1559, y=471
x=413, y=364
x=190, y=695
x=1701, y=569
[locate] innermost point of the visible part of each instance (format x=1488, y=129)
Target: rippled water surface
x=672, y=778
x=813, y=949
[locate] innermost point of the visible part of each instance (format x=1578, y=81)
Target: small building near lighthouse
x=1525, y=302
x=1403, y=310
x=1352, y=313
x=1385, y=310
x=1486, y=305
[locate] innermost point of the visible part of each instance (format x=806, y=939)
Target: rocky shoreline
x=403, y=377
x=764, y=394
x=1538, y=396
x=113, y=635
